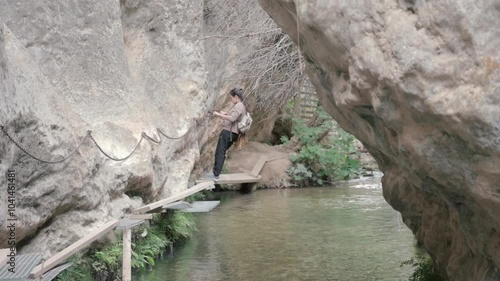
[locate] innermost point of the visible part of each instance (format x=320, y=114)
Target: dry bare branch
x=268, y=60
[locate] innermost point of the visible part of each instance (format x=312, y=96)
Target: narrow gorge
x=416, y=81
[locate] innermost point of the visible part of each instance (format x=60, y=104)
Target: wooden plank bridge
x=47, y=270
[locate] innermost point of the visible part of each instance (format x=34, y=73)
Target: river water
x=343, y=233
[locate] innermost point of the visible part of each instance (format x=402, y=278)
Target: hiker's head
x=236, y=95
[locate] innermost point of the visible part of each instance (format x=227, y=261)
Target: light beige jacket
x=236, y=113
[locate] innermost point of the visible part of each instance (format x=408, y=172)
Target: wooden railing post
x=127, y=255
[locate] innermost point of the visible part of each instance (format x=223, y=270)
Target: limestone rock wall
x=117, y=68
x=418, y=83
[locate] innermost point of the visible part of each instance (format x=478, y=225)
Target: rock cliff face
x=418, y=83
x=118, y=68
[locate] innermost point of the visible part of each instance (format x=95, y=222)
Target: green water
x=342, y=233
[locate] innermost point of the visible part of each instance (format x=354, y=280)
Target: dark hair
x=237, y=92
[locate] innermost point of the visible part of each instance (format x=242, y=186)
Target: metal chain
x=172, y=138
x=41, y=160
x=113, y=158
x=160, y=132
x=144, y=135
x=89, y=135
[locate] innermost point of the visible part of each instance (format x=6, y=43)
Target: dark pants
x=226, y=139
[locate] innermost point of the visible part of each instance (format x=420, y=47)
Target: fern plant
x=104, y=262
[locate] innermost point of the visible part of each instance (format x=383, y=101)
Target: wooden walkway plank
x=73, y=248
x=237, y=178
x=190, y=191
x=233, y=179
x=258, y=166
x=178, y=205
x=139, y=217
x=202, y=206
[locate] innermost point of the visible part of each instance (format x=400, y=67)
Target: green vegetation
x=103, y=262
x=325, y=152
x=424, y=269
x=200, y=196
x=80, y=270
x=106, y=261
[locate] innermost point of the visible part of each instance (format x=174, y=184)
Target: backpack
x=245, y=123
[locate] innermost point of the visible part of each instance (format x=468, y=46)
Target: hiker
x=229, y=132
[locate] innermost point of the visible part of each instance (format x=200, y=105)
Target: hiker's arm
x=232, y=116
x=227, y=116
x=220, y=114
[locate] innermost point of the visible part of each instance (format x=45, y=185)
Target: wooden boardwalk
x=43, y=270
x=72, y=249
x=232, y=179
x=307, y=101
x=248, y=177
x=157, y=206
